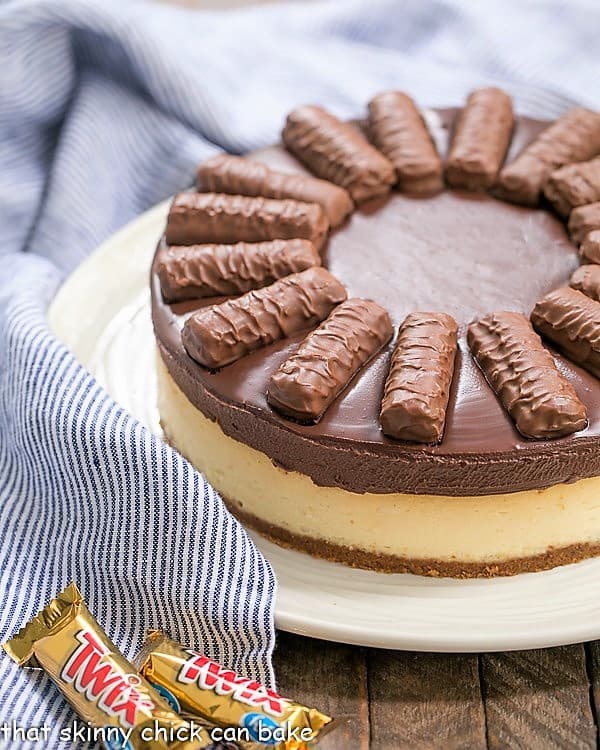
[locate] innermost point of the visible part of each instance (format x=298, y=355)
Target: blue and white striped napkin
x=105, y=109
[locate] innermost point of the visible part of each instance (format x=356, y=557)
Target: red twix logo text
x=210, y=675
x=115, y=692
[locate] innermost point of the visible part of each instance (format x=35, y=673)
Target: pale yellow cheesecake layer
x=481, y=530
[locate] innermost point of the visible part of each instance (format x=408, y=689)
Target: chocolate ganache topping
x=459, y=253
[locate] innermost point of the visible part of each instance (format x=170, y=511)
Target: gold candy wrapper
x=198, y=686
x=67, y=642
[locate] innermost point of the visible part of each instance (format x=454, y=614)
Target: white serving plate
x=102, y=313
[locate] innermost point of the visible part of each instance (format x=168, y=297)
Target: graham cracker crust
x=355, y=557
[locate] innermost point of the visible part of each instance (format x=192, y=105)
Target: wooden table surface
x=535, y=700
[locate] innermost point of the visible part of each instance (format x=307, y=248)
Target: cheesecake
x=283, y=311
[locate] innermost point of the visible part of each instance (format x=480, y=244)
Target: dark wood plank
x=538, y=700
x=425, y=701
x=331, y=677
x=592, y=654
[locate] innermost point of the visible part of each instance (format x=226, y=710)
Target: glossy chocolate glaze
x=459, y=253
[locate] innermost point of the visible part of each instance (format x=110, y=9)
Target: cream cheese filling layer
x=484, y=529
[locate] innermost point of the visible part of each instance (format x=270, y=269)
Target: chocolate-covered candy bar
x=589, y=250
x=338, y=152
x=586, y=279
x=308, y=382
x=218, y=335
x=571, y=321
x=574, y=185
x=66, y=641
x=400, y=133
x=523, y=374
x=417, y=387
x=575, y=136
x=219, y=696
x=196, y=218
x=480, y=140
x=242, y=176
x=584, y=219
x=192, y=271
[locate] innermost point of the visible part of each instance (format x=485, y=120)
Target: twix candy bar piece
x=586, y=279
x=337, y=151
x=308, y=381
x=417, y=387
x=575, y=136
x=571, y=321
x=217, y=217
x=574, y=185
x=105, y=690
x=481, y=138
x=589, y=249
x=201, y=687
x=583, y=220
x=218, y=335
x=399, y=131
x=192, y=271
x=239, y=175
x=524, y=376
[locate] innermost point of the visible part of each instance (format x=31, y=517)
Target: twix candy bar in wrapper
x=199, y=686
x=105, y=690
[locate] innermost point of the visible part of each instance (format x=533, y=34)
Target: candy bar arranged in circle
x=337, y=151
x=218, y=335
x=589, y=249
x=574, y=185
x=399, y=131
x=540, y=400
x=241, y=176
x=221, y=218
x=328, y=358
x=584, y=220
x=261, y=233
x=417, y=387
x=586, y=279
x=572, y=138
x=193, y=271
x=570, y=320
x=480, y=140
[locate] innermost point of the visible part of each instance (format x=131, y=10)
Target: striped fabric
x=105, y=108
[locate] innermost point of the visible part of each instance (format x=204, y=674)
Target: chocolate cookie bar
x=216, y=217
x=571, y=321
x=242, y=176
x=573, y=137
x=308, y=382
x=584, y=219
x=589, y=250
x=541, y=401
x=417, y=387
x=398, y=130
x=574, y=185
x=586, y=279
x=218, y=335
x=338, y=152
x=480, y=140
x=192, y=271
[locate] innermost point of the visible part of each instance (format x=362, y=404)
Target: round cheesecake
x=483, y=501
